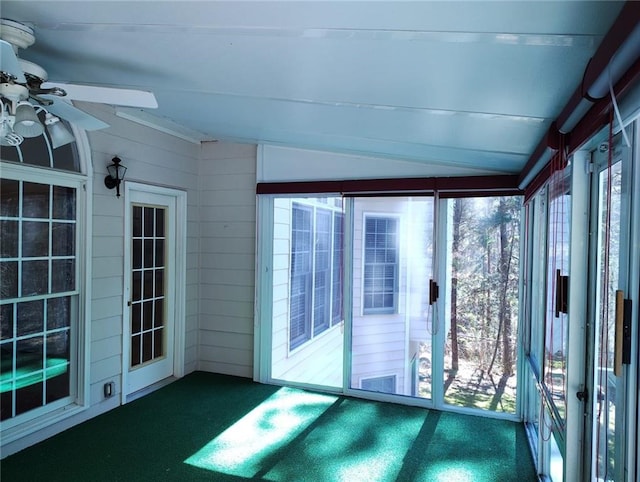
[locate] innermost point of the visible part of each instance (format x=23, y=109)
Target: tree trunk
x=455, y=357
x=486, y=329
x=505, y=311
x=455, y=256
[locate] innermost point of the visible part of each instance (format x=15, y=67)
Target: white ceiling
x=473, y=83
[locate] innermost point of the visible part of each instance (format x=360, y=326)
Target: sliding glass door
x=437, y=320
x=610, y=351
x=392, y=316
x=394, y=296
x=307, y=327
x=481, y=303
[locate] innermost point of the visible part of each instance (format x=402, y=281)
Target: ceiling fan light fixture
x=26, y=121
x=7, y=136
x=10, y=139
x=58, y=132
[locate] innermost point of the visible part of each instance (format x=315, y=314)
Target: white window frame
x=38, y=419
x=381, y=311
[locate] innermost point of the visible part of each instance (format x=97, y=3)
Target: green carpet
x=217, y=427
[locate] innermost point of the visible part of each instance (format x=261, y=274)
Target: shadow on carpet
x=216, y=427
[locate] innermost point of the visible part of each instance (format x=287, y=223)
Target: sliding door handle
x=622, y=346
x=434, y=291
x=562, y=292
x=583, y=395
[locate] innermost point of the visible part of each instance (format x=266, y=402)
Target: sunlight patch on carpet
x=458, y=470
x=357, y=441
x=244, y=447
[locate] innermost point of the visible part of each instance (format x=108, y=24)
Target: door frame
x=179, y=280
x=633, y=398
x=574, y=434
x=625, y=432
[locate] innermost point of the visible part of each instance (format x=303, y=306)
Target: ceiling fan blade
x=106, y=95
x=71, y=114
x=9, y=62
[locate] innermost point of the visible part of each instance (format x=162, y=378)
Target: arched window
x=38, y=151
x=42, y=213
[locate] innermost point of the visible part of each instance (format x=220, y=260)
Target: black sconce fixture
x=115, y=176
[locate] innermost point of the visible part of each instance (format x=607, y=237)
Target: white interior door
x=150, y=294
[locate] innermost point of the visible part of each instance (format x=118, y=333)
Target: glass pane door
x=481, y=303
x=148, y=336
x=554, y=363
x=392, y=320
x=150, y=264
x=611, y=275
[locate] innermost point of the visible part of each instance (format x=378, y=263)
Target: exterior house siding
x=227, y=197
x=154, y=158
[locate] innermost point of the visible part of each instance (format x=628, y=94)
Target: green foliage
x=486, y=237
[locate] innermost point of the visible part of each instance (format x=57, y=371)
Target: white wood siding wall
x=150, y=157
x=227, y=184
x=281, y=276
x=154, y=158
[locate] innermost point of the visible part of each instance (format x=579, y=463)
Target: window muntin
x=38, y=293
x=315, y=301
x=380, y=265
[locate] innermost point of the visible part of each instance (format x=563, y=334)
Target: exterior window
x=38, y=293
x=380, y=384
x=380, y=265
x=338, y=241
x=38, y=151
x=316, y=281
x=322, y=271
x=300, y=301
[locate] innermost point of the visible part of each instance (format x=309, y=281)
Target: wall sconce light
x=115, y=176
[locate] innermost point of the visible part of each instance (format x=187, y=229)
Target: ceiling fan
x=25, y=92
